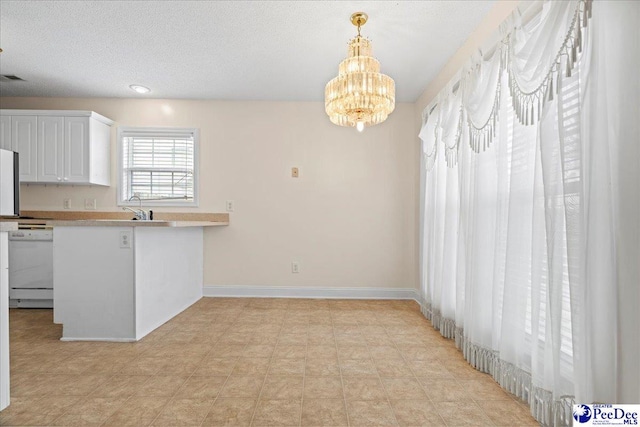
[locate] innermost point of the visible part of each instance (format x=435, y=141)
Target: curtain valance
x=535, y=57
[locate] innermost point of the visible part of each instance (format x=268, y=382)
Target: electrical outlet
x=295, y=267
x=90, y=204
x=295, y=172
x=229, y=205
x=125, y=240
x=66, y=203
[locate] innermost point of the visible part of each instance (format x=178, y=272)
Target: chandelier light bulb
x=360, y=126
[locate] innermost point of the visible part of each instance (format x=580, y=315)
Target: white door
x=5, y=133
x=24, y=140
x=50, y=148
x=76, y=149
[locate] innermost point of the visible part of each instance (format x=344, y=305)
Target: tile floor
x=260, y=362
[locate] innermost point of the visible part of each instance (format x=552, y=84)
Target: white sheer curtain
x=532, y=209
x=610, y=147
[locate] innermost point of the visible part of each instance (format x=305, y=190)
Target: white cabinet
x=5, y=133
x=24, y=141
x=77, y=149
x=59, y=146
x=50, y=148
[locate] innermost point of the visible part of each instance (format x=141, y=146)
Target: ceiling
x=230, y=50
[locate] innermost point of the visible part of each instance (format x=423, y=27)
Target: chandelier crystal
x=360, y=95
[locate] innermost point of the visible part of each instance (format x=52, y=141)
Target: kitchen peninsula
x=118, y=280
x=5, y=227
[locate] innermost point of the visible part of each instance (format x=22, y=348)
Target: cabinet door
x=24, y=141
x=50, y=148
x=5, y=133
x=76, y=149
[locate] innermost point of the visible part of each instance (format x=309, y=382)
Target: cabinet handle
x=66, y=179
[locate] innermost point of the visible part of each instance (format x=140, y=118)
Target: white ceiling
x=240, y=50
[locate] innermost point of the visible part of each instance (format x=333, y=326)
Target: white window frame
x=160, y=131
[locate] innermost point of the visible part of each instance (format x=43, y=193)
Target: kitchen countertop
x=8, y=225
x=48, y=219
x=131, y=223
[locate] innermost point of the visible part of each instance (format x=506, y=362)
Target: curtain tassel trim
x=526, y=103
x=447, y=327
x=451, y=153
x=481, y=137
x=425, y=309
x=545, y=408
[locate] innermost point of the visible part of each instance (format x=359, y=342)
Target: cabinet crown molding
x=65, y=113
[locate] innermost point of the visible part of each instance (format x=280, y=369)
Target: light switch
x=294, y=172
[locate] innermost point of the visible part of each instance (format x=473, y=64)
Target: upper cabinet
x=50, y=156
x=5, y=133
x=58, y=146
x=24, y=140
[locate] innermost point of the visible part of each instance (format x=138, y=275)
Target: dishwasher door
x=31, y=268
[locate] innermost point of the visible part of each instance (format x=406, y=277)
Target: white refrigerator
x=9, y=184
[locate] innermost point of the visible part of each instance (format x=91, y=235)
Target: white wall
x=350, y=220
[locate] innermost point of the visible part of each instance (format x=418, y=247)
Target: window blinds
x=158, y=166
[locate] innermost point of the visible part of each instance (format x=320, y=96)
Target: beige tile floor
x=260, y=362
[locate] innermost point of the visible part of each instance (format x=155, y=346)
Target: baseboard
x=99, y=339
x=309, y=292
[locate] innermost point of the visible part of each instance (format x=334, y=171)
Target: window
x=158, y=165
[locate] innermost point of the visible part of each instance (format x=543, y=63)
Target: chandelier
x=360, y=96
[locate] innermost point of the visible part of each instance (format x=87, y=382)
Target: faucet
x=140, y=213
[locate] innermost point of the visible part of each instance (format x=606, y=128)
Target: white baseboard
x=309, y=292
x=99, y=339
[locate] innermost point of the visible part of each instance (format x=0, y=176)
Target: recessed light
x=140, y=89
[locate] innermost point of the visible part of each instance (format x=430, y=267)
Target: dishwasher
x=31, y=268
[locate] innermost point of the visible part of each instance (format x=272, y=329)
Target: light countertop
x=131, y=223
x=116, y=219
